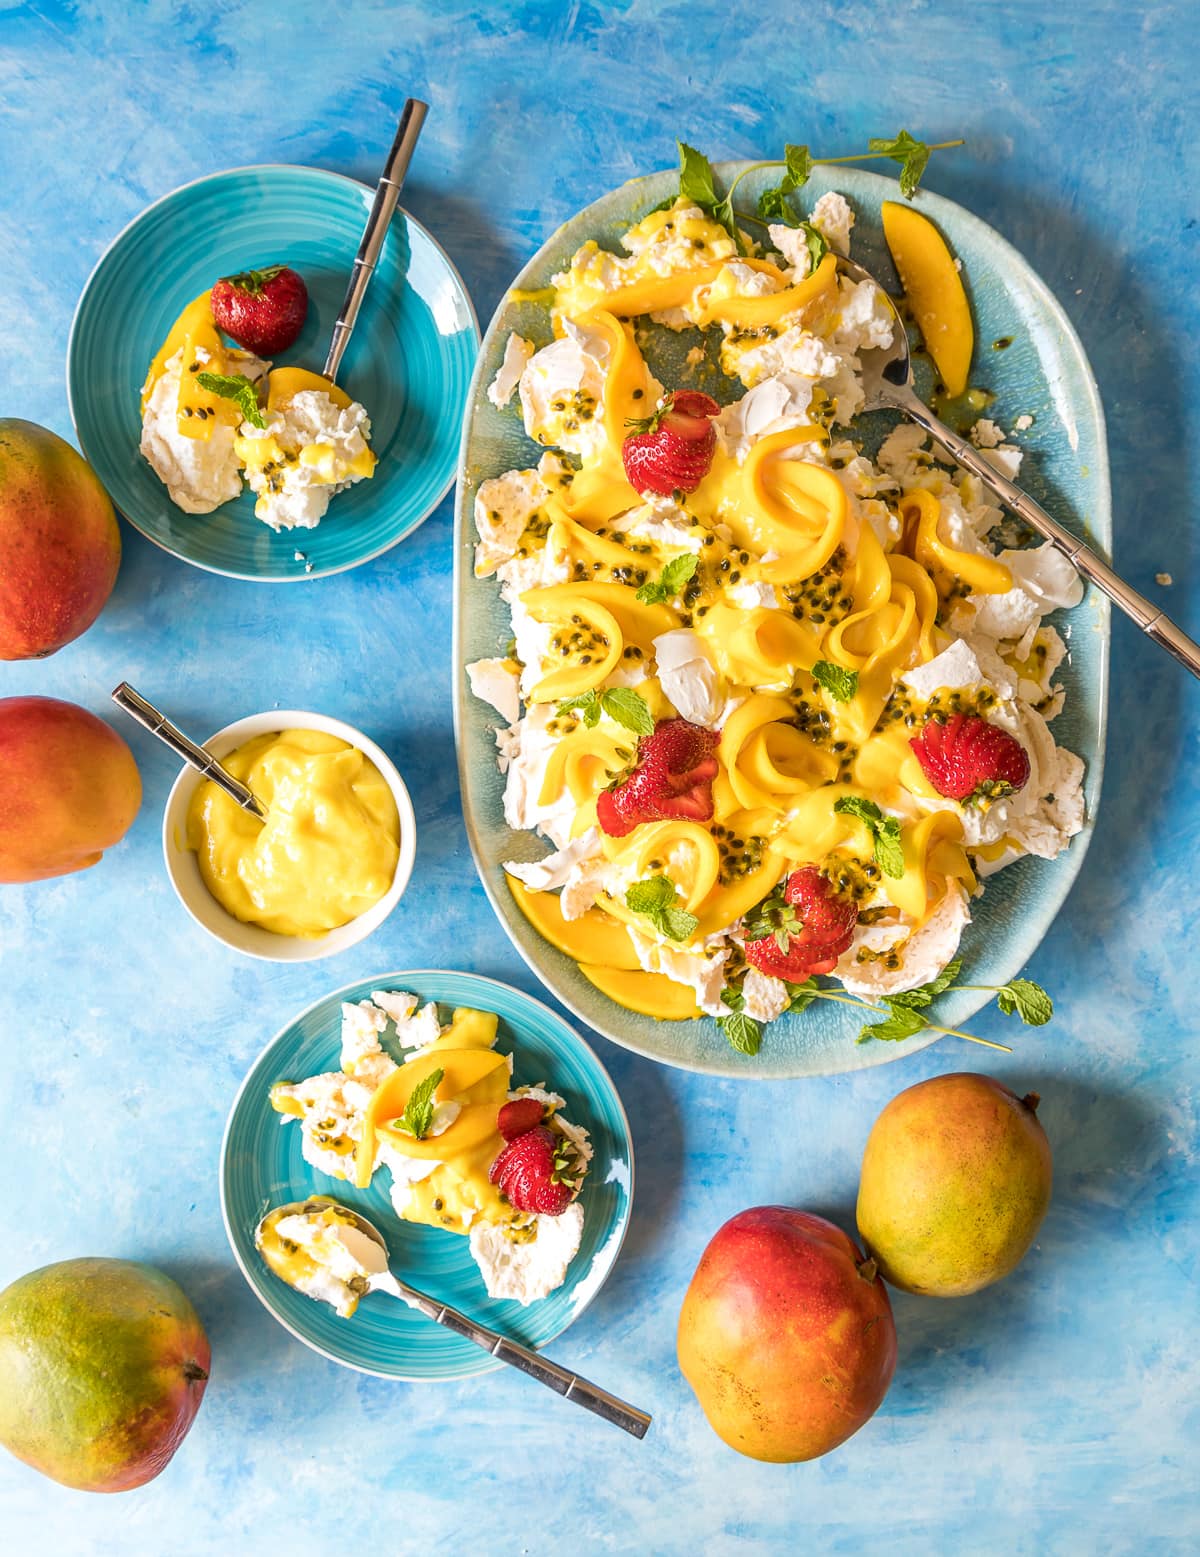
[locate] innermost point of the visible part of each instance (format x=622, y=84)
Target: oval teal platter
x=1043, y=374
x=262, y=1167
x=409, y=361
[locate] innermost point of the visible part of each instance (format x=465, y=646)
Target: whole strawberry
x=262, y=310
x=538, y=1172
x=672, y=450
x=802, y=931
x=971, y=761
x=673, y=776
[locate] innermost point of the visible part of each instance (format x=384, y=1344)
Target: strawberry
x=262, y=310
x=537, y=1172
x=803, y=932
x=672, y=777
x=969, y=760
x=672, y=450
x=519, y=1115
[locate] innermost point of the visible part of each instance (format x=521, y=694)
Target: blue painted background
x=1056, y=1413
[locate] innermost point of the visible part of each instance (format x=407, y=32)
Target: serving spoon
x=195, y=755
x=887, y=380
x=371, y=1252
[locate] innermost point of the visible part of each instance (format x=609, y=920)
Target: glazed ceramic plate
x=262, y=1167
x=409, y=361
x=1043, y=373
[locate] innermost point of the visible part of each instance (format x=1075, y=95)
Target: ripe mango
x=955, y=1182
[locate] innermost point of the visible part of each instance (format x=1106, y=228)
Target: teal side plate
x=409, y=361
x=1043, y=373
x=262, y=1167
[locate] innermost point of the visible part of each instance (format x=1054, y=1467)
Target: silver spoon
x=372, y=1253
x=887, y=380
x=383, y=208
x=198, y=757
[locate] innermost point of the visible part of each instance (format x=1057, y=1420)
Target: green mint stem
x=950, y=1032
x=875, y=156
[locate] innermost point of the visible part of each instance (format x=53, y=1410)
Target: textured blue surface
x=1055, y=1413
x=262, y=1165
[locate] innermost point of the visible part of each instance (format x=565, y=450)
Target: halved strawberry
x=969, y=760
x=673, y=777
x=672, y=450
x=802, y=931
x=539, y=1171
x=518, y=1115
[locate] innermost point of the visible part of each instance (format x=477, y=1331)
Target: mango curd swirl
x=329, y=847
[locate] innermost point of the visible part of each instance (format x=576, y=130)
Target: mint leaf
x=884, y=830
x=732, y=997
x=670, y=581
x=772, y=203
x=696, y=181
x=628, y=708
x=651, y=895
x=239, y=389
x=1029, y=1000
x=839, y=683
x=743, y=1032
x=657, y=900
x=911, y=154
x=588, y=704
x=814, y=240
x=801, y=995
x=418, y=1113
x=622, y=704
x=902, y=1023
x=945, y=978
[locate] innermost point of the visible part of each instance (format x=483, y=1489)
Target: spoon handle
x=561, y=1380
x=383, y=207
x=1154, y=623
x=150, y=718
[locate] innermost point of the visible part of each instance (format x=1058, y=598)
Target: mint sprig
x=911, y=154
x=670, y=581
x=418, y=1113
x=238, y=388
x=905, y=1013
x=622, y=704
x=884, y=830
x=657, y=899
x=841, y=684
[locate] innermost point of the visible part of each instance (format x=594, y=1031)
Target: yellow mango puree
x=328, y=849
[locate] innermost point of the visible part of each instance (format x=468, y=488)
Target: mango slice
x=283, y=384
x=934, y=290
x=462, y=1070
x=593, y=938
x=650, y=994
x=469, y=1029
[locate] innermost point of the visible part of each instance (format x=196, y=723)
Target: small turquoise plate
x=1043, y=374
x=262, y=1167
x=409, y=361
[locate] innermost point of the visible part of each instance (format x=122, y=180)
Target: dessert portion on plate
x=215, y=414
x=466, y=1150
x=778, y=708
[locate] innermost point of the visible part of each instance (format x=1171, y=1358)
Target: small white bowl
x=183, y=868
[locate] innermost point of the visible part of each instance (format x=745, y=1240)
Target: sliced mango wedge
x=593, y=938
x=934, y=290
x=462, y=1071
x=650, y=994
x=283, y=384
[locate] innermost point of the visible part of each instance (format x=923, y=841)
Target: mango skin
x=956, y=1180
x=788, y=1344
x=60, y=547
x=103, y=1365
x=70, y=789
